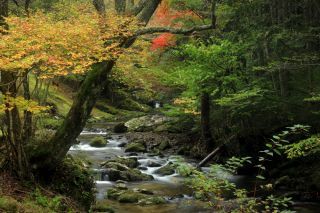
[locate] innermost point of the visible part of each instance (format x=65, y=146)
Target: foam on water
x=87, y=147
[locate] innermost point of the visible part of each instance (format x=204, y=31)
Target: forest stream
x=178, y=197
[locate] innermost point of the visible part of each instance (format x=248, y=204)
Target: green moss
x=72, y=179
x=135, y=147
x=98, y=141
x=8, y=204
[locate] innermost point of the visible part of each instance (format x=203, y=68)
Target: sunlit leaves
x=53, y=47
x=7, y=103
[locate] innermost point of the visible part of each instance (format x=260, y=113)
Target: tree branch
x=183, y=31
x=139, y=7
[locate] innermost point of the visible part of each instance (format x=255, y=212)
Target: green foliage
x=8, y=204
x=54, y=203
x=304, y=147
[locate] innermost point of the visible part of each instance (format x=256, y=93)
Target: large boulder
x=166, y=170
x=98, y=142
x=135, y=147
x=129, y=162
x=146, y=123
x=134, y=196
x=125, y=170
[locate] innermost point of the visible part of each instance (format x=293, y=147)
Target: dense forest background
x=236, y=78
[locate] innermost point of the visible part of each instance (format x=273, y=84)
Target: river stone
x=142, y=168
x=114, y=193
x=146, y=191
x=114, y=174
x=135, y=175
x=121, y=186
x=164, y=145
x=165, y=170
x=129, y=197
x=117, y=166
x=129, y=162
x=153, y=164
x=152, y=200
x=135, y=147
x=146, y=123
x=122, y=144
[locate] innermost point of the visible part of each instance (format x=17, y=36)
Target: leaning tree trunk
x=83, y=104
x=206, y=136
x=120, y=6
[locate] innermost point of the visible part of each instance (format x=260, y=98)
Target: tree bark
x=206, y=136
x=120, y=6
x=83, y=104
x=130, y=4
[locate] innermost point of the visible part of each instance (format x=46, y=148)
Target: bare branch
x=151, y=30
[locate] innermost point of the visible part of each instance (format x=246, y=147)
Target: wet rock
x=179, y=196
x=122, y=144
x=120, y=128
x=146, y=191
x=152, y=201
x=129, y=197
x=116, y=166
x=132, y=154
x=164, y=145
x=121, y=181
x=143, y=168
x=114, y=174
x=165, y=170
x=102, y=207
x=135, y=147
x=129, y=162
x=146, y=123
x=153, y=164
x=135, y=175
x=121, y=186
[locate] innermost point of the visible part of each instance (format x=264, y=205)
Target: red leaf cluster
x=166, y=16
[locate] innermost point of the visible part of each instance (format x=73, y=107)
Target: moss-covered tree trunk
x=120, y=6
x=83, y=104
x=206, y=136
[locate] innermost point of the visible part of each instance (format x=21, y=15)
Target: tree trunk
x=82, y=106
x=120, y=6
x=206, y=136
x=27, y=124
x=130, y=4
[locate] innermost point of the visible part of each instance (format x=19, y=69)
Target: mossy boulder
x=146, y=123
x=73, y=179
x=125, y=171
x=165, y=170
x=164, y=145
x=152, y=200
x=135, y=175
x=102, y=207
x=134, y=196
x=131, y=162
x=135, y=147
x=98, y=142
x=129, y=197
x=8, y=204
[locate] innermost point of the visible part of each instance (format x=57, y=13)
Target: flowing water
x=179, y=197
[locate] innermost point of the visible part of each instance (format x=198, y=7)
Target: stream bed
x=171, y=186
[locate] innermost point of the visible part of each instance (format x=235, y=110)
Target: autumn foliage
x=166, y=16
